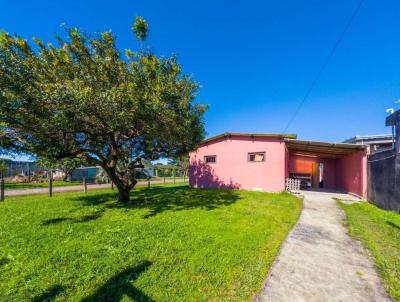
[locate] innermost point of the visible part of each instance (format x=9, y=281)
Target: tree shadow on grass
x=160, y=199
x=4, y=261
x=84, y=218
x=98, y=199
x=49, y=294
x=121, y=284
x=392, y=224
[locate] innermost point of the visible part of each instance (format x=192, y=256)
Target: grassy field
x=177, y=244
x=379, y=230
x=31, y=185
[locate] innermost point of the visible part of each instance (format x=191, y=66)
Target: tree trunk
x=124, y=187
x=123, y=195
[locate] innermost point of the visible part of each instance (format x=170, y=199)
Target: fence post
x=174, y=174
x=112, y=185
x=84, y=185
x=50, y=183
x=2, y=188
x=148, y=183
x=164, y=176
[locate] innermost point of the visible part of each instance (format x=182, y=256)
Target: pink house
x=264, y=161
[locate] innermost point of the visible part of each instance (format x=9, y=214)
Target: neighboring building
x=375, y=143
x=24, y=168
x=89, y=173
x=384, y=172
x=394, y=121
x=264, y=161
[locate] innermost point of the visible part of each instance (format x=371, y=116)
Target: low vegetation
x=379, y=230
x=172, y=243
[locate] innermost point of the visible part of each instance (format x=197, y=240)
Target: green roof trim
x=250, y=135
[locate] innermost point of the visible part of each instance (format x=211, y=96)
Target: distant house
x=24, y=168
x=375, y=143
x=264, y=161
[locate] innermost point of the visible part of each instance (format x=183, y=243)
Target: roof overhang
x=322, y=149
x=250, y=135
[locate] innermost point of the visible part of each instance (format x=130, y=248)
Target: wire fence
x=49, y=186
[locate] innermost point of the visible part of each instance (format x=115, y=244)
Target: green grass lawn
x=379, y=231
x=56, y=183
x=177, y=244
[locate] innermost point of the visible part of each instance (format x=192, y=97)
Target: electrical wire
x=325, y=63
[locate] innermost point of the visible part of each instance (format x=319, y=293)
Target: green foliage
x=102, y=177
x=81, y=99
x=6, y=145
x=140, y=28
x=204, y=245
x=183, y=163
x=379, y=230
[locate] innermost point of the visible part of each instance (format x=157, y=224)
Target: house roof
x=267, y=135
x=376, y=138
x=322, y=149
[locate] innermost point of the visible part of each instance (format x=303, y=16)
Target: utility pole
x=391, y=111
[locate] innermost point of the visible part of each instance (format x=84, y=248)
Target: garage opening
x=327, y=166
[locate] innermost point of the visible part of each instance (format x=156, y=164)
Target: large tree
x=83, y=98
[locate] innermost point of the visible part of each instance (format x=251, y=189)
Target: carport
x=330, y=166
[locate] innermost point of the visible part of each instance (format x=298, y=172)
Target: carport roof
x=322, y=149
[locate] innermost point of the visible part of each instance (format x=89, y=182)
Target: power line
x=326, y=62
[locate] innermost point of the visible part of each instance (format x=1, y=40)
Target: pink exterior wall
x=303, y=164
x=232, y=168
x=352, y=173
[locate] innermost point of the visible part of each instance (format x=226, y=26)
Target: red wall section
x=303, y=164
x=352, y=173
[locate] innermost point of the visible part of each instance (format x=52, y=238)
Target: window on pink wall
x=256, y=156
x=210, y=159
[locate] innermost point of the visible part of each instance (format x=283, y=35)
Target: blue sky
x=255, y=60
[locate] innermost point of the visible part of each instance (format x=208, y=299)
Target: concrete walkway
x=320, y=262
x=77, y=188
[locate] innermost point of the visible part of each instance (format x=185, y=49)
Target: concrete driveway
x=320, y=262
